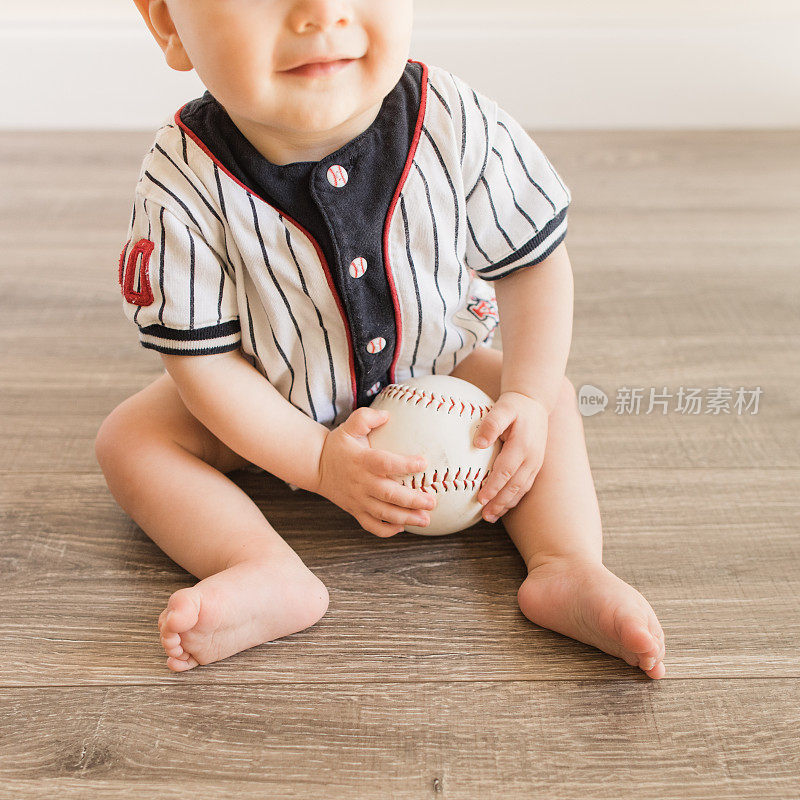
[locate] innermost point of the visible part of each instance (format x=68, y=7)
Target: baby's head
x=244, y=51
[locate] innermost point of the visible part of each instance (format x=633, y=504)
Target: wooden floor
x=424, y=679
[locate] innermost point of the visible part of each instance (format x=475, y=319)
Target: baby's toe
x=657, y=631
x=635, y=637
x=182, y=611
x=655, y=628
x=181, y=665
x=658, y=671
x=644, y=645
x=170, y=640
x=650, y=661
x=172, y=645
x=183, y=656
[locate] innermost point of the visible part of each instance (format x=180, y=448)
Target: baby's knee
x=108, y=442
x=121, y=436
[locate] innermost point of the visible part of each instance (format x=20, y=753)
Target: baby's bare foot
x=248, y=604
x=587, y=602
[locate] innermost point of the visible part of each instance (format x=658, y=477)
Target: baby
x=328, y=218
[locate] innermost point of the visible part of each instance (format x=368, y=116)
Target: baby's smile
x=319, y=69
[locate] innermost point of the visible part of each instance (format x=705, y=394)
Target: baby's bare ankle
x=563, y=559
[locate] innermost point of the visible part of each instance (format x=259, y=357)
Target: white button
x=358, y=266
x=337, y=175
x=376, y=345
x=373, y=389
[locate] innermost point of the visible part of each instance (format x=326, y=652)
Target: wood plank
x=715, y=551
x=694, y=740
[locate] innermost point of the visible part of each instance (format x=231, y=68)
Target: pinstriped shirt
x=337, y=277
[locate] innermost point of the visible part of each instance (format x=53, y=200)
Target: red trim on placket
x=144, y=297
x=313, y=241
x=386, y=265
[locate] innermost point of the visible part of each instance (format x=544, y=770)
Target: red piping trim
x=313, y=241
x=387, y=267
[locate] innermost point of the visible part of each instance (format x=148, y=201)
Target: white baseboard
x=112, y=75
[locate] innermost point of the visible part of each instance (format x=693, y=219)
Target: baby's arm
x=234, y=401
x=535, y=307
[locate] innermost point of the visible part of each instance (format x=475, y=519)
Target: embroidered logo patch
x=484, y=310
x=139, y=294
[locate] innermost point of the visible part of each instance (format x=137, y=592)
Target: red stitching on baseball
x=410, y=394
x=447, y=483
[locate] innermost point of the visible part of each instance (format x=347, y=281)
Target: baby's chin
x=331, y=115
x=312, y=109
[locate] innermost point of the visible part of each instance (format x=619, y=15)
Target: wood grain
x=680, y=739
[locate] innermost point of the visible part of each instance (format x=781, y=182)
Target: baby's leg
x=556, y=528
x=166, y=470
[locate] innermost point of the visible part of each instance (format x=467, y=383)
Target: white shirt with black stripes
x=209, y=266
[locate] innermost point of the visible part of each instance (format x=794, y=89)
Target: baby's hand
x=521, y=423
x=356, y=477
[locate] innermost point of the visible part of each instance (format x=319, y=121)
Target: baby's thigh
x=157, y=413
x=483, y=368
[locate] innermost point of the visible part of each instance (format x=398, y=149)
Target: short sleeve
x=176, y=288
x=517, y=206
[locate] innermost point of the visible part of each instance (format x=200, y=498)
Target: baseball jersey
x=339, y=276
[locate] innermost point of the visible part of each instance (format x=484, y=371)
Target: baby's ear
x=159, y=20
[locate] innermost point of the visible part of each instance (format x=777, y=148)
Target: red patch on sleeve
x=144, y=297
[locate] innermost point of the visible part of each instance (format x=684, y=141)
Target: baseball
x=438, y=416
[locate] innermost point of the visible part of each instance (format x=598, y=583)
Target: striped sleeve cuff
x=195, y=342
x=532, y=252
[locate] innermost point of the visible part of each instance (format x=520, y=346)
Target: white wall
x=564, y=64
